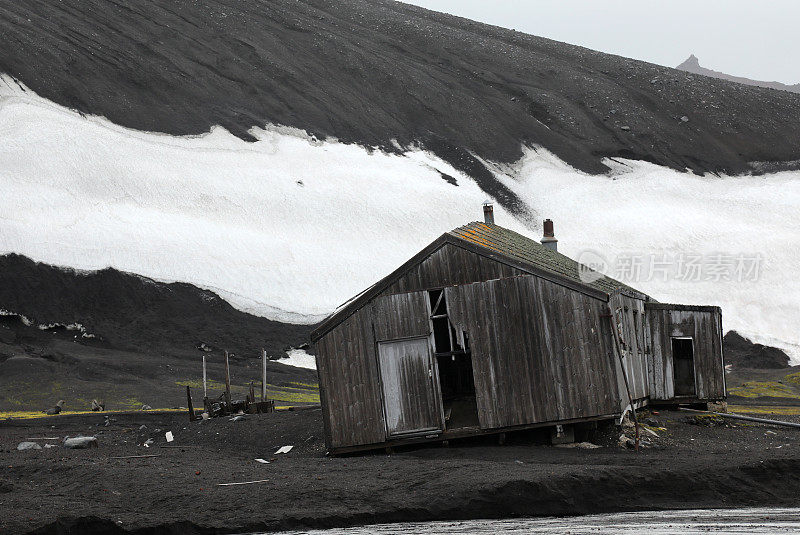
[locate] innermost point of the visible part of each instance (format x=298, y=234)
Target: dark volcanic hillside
x=743, y=353
x=129, y=312
x=373, y=71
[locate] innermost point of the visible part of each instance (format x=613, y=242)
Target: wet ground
x=752, y=521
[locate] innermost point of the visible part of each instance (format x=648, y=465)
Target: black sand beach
x=57, y=490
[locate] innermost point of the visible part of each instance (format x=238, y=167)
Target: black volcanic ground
x=144, y=348
x=373, y=71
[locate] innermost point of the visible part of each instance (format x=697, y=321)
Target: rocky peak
x=691, y=62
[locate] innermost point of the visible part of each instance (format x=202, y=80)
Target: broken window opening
x=442, y=342
x=438, y=305
x=454, y=364
x=441, y=335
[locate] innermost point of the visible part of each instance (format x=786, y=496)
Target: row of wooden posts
x=251, y=397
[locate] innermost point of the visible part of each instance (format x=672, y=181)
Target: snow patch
x=289, y=227
x=218, y=212
x=71, y=327
x=642, y=209
x=25, y=321
x=299, y=359
x=48, y=326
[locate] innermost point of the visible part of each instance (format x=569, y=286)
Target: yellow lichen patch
x=793, y=378
x=296, y=393
x=765, y=410
x=26, y=415
x=211, y=384
x=314, y=386
x=754, y=389
x=296, y=397
x=474, y=237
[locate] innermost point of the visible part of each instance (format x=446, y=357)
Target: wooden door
x=410, y=391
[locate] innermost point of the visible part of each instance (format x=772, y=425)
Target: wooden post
x=263, y=375
x=189, y=401
x=205, y=386
x=227, y=383
x=206, y=407
x=251, y=397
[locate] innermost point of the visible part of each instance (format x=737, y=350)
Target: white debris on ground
x=579, y=445
x=80, y=442
x=281, y=227
x=299, y=358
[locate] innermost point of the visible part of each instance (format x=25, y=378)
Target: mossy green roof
x=528, y=251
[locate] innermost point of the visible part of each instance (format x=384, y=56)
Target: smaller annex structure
x=487, y=331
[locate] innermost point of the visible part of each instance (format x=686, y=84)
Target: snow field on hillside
x=290, y=227
x=643, y=211
x=286, y=227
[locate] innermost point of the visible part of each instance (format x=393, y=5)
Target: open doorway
x=454, y=361
x=683, y=366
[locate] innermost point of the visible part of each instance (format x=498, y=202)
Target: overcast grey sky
x=759, y=39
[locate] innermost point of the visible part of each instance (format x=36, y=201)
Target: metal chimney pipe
x=488, y=212
x=549, y=239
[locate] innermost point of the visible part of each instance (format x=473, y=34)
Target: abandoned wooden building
x=487, y=331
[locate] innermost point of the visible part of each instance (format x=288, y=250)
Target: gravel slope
x=377, y=71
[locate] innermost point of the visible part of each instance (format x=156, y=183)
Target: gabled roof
x=528, y=251
x=500, y=244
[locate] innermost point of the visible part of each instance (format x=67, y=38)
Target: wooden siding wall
x=704, y=326
x=348, y=366
x=630, y=320
x=540, y=352
x=401, y=316
x=448, y=266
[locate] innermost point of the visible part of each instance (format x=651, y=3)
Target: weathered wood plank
x=450, y=265
x=703, y=325
x=348, y=380
x=411, y=402
x=532, y=360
